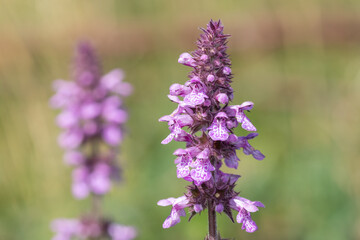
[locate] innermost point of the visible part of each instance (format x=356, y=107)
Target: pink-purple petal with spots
x=250, y=225
x=218, y=132
x=194, y=98
x=183, y=169
x=171, y=220
x=168, y=139
x=245, y=122
x=200, y=175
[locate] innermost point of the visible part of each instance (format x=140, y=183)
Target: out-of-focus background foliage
x=299, y=61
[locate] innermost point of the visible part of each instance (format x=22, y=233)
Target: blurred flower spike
x=92, y=118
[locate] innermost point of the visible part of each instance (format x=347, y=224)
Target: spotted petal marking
x=183, y=168
x=168, y=139
x=200, y=175
x=245, y=121
x=202, y=171
x=171, y=220
x=219, y=132
x=249, y=225
x=177, y=129
x=244, y=218
x=195, y=98
x=175, y=132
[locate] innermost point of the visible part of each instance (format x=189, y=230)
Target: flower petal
x=232, y=161
x=187, y=60
x=246, y=105
x=200, y=174
x=112, y=79
x=168, y=139
x=250, y=225
x=195, y=98
x=245, y=122
x=218, y=132
x=258, y=155
x=166, y=202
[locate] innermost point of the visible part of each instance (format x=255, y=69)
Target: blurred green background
x=298, y=61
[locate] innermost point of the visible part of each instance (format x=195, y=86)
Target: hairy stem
x=212, y=220
x=211, y=210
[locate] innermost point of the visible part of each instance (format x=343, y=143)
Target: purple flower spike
x=205, y=120
x=92, y=120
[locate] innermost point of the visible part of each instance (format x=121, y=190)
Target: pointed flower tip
x=84, y=47
x=163, y=202
x=186, y=59
x=87, y=70
x=248, y=105
x=258, y=155
x=166, y=225
x=85, y=52
x=164, y=142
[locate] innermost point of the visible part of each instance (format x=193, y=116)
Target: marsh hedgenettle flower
x=204, y=120
x=89, y=228
x=92, y=119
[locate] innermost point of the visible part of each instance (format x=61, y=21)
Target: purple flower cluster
x=87, y=228
x=92, y=120
x=203, y=108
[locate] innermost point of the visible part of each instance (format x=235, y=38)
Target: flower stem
x=212, y=221
x=95, y=199
x=96, y=206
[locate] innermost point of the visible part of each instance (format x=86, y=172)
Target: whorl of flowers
x=90, y=228
x=92, y=118
x=203, y=108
